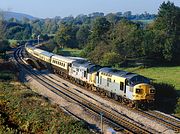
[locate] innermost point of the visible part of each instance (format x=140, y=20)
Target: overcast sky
x=52, y=8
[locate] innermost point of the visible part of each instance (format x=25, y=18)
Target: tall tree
x=100, y=27
x=66, y=36
x=82, y=35
x=4, y=45
x=126, y=39
x=167, y=25
x=2, y=36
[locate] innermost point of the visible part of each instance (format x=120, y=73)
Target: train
x=129, y=88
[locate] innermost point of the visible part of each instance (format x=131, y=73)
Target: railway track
x=117, y=119
x=170, y=122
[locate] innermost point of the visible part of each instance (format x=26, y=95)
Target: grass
x=169, y=75
x=6, y=75
x=69, y=52
x=13, y=43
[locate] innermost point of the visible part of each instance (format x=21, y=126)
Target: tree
x=168, y=25
x=113, y=18
x=126, y=39
x=4, y=46
x=100, y=27
x=66, y=36
x=82, y=35
x=2, y=29
x=111, y=59
x=127, y=14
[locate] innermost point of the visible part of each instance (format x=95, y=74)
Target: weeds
x=23, y=111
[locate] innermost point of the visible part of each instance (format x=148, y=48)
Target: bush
x=177, y=110
x=23, y=111
x=110, y=59
x=165, y=97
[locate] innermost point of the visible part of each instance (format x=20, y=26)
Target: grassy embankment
x=24, y=111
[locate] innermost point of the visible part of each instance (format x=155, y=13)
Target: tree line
x=110, y=41
x=114, y=39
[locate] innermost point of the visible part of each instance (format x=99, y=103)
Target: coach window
x=121, y=86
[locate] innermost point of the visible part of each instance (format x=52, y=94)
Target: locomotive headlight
x=152, y=91
x=138, y=90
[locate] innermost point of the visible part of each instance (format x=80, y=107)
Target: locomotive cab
x=143, y=92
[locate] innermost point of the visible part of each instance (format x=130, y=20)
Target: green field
x=69, y=52
x=168, y=75
x=144, y=21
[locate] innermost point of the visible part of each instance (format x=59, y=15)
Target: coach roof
x=62, y=58
x=42, y=52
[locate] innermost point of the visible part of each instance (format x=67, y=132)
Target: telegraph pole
x=38, y=39
x=101, y=115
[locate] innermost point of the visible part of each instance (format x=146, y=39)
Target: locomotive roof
x=82, y=63
x=86, y=64
x=116, y=72
x=46, y=53
x=121, y=73
x=113, y=71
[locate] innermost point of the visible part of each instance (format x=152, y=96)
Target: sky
x=64, y=8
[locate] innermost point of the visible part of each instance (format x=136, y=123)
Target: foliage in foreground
x=177, y=111
x=23, y=111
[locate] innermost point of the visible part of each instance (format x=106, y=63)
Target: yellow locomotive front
x=143, y=92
